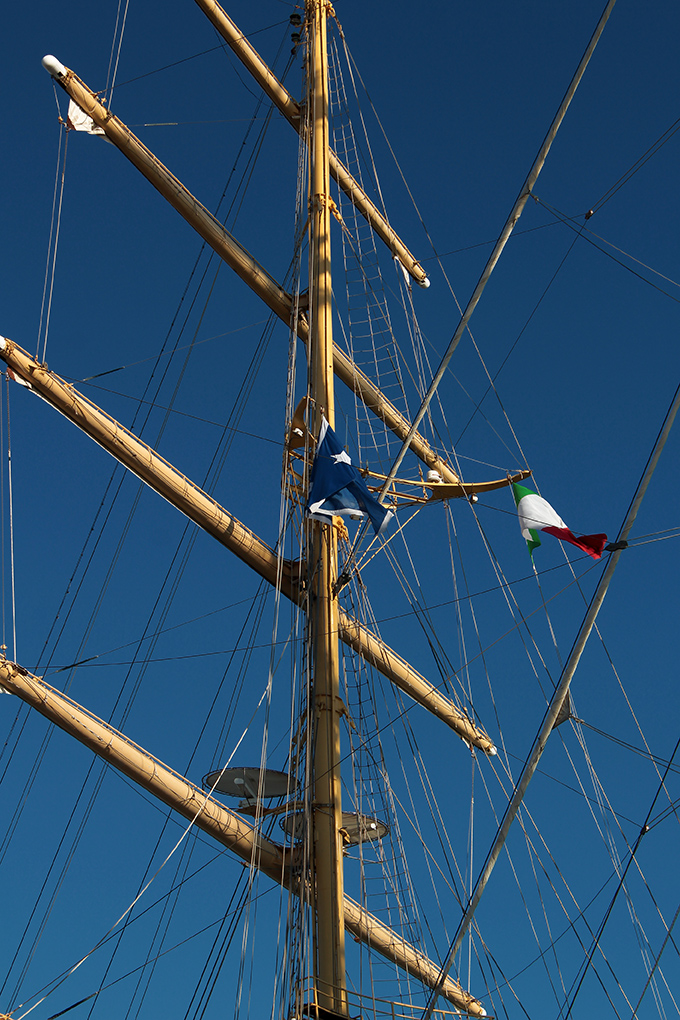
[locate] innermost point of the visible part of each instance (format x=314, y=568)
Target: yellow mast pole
x=327, y=864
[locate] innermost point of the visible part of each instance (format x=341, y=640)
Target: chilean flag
x=336, y=487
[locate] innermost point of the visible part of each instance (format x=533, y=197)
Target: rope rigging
x=498, y=678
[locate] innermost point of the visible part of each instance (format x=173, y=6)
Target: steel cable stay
x=3, y=565
x=53, y=237
x=579, y=232
x=79, y=657
x=491, y=388
x=438, y=255
x=561, y=690
x=578, y=981
x=150, y=650
x=380, y=866
x=534, y=856
x=552, y=941
x=412, y=817
x=29, y=782
x=443, y=827
x=154, y=357
x=571, y=927
x=607, y=813
x=442, y=662
x=286, y=507
x=194, y=56
x=660, y=762
x=581, y=916
x=526, y=834
x=143, y=966
x=161, y=929
x=638, y=164
x=218, y=951
x=405, y=712
x=605, y=807
x=405, y=294
x=512, y=219
x=567, y=220
x=186, y=830
x=242, y=672
x=91, y=660
x=354, y=70
x=128, y=709
x=656, y=963
x=584, y=234
x=655, y=760
x=114, y=56
x=10, y=536
x=80, y=831
x=451, y=534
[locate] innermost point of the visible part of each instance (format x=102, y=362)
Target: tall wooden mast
x=326, y=856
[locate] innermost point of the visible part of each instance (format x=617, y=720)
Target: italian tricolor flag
x=535, y=515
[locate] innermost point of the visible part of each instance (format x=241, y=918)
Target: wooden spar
x=238, y=258
x=373, y=651
x=201, y=508
x=226, y=827
x=373, y=398
x=378, y=936
x=290, y=109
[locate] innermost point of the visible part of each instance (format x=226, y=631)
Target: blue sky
x=580, y=333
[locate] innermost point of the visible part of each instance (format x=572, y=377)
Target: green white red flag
x=536, y=515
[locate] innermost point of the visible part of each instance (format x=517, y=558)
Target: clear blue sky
x=582, y=334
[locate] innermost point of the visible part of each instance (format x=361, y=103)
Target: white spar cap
x=53, y=66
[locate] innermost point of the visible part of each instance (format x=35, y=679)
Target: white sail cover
x=79, y=121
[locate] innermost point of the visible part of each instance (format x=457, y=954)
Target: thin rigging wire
x=639, y=163
x=568, y=222
x=202, y=53
x=53, y=245
x=607, y=914
x=114, y=60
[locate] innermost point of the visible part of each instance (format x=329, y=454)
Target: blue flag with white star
x=336, y=487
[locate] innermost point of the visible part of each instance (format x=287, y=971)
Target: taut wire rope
x=576, y=987
x=560, y=693
x=52, y=244
x=114, y=56
x=186, y=830
x=588, y=236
